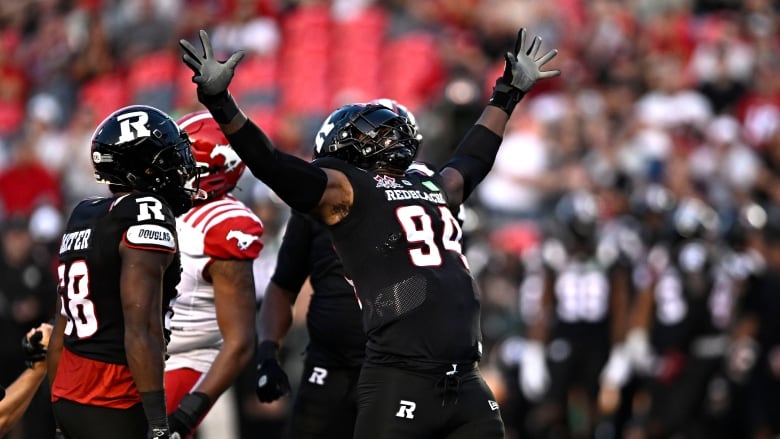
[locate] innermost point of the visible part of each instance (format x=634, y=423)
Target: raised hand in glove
x=34, y=344
x=192, y=408
x=212, y=77
x=272, y=382
x=521, y=71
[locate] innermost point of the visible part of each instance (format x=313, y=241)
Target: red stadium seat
x=105, y=94
x=11, y=117
x=151, y=81
x=412, y=71
x=355, y=69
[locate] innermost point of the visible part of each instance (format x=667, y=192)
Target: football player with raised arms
x=213, y=324
x=394, y=228
x=118, y=269
x=325, y=405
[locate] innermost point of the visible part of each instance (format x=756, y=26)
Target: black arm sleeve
x=299, y=183
x=292, y=261
x=475, y=156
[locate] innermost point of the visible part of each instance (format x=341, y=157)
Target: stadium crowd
x=648, y=170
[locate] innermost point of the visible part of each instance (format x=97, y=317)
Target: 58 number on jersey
x=77, y=306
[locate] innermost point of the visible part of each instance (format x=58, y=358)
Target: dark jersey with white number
x=694, y=295
x=401, y=246
x=333, y=318
x=90, y=268
x=582, y=288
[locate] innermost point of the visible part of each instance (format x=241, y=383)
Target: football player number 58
x=77, y=307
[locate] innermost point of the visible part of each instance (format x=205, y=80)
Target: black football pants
x=325, y=406
x=405, y=404
x=79, y=421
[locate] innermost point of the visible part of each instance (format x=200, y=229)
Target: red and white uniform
x=221, y=229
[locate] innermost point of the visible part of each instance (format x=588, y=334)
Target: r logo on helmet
x=139, y=125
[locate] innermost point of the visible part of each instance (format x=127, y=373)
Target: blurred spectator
x=27, y=183
x=13, y=84
x=724, y=165
x=722, y=62
x=44, y=116
x=516, y=187
x=142, y=26
x=77, y=177
x=249, y=26
x=758, y=110
x=26, y=293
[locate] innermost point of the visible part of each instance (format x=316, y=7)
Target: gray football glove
x=212, y=76
x=521, y=71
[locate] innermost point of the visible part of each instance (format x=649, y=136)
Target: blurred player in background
x=213, y=324
x=678, y=332
x=575, y=339
x=119, y=266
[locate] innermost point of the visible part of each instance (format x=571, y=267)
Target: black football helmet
x=749, y=220
x=576, y=216
x=141, y=148
x=694, y=219
x=401, y=110
x=369, y=136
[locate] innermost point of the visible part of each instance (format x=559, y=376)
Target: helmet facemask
x=373, y=138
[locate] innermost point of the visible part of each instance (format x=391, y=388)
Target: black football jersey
x=582, y=288
x=401, y=245
x=90, y=268
x=693, y=295
x=333, y=319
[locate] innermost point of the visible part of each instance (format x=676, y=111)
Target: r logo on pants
x=318, y=375
x=406, y=410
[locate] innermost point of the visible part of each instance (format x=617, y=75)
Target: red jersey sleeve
x=234, y=238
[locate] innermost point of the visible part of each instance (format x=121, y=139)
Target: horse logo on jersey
x=386, y=182
x=231, y=158
x=243, y=240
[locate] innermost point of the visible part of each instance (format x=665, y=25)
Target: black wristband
x=267, y=349
x=505, y=96
x=223, y=107
x=195, y=404
x=154, y=408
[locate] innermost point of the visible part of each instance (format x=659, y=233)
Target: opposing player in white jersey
x=213, y=326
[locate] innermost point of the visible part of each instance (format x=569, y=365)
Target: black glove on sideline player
x=192, y=407
x=34, y=351
x=521, y=71
x=272, y=382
